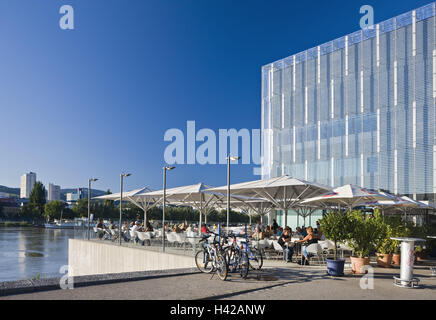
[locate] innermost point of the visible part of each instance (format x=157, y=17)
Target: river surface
x=27, y=252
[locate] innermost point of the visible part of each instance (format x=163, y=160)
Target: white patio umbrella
x=347, y=195
x=192, y=195
x=133, y=196
x=411, y=203
x=258, y=206
x=283, y=192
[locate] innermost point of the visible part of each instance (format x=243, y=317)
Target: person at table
x=268, y=232
x=285, y=242
x=275, y=226
x=204, y=229
x=125, y=231
x=258, y=234
x=306, y=241
x=148, y=227
x=100, y=225
x=279, y=231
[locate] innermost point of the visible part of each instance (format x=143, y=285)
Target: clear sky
x=97, y=100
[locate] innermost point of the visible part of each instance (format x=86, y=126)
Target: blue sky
x=97, y=100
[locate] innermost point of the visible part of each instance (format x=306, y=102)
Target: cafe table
x=406, y=279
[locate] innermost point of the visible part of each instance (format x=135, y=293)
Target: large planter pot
x=358, y=263
x=396, y=259
x=335, y=267
x=384, y=260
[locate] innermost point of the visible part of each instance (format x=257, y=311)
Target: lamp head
x=234, y=158
x=169, y=168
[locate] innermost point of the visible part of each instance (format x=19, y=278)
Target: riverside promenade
x=277, y=281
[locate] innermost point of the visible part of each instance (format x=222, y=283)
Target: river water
x=27, y=252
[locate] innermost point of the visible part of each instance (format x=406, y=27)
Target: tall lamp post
x=165, y=169
x=229, y=158
x=121, y=199
x=89, y=200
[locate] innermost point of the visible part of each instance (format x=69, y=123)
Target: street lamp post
x=165, y=169
x=89, y=200
x=121, y=199
x=229, y=158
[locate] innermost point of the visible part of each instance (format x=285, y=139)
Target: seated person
x=148, y=227
x=279, y=231
x=204, y=229
x=303, y=231
x=268, y=232
x=288, y=250
x=307, y=240
x=125, y=231
x=100, y=225
x=258, y=234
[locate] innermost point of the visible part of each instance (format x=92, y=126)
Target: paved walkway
x=277, y=281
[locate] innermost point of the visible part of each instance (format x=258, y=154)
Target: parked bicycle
x=210, y=258
x=243, y=257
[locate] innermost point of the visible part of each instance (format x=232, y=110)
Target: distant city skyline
x=96, y=101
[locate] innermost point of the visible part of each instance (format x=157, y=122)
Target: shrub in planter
x=334, y=226
x=384, y=245
x=361, y=238
x=398, y=229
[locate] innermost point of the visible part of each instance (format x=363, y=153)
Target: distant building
x=4, y=195
x=54, y=192
x=73, y=197
x=11, y=207
x=28, y=180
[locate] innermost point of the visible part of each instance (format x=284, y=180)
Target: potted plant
x=384, y=245
x=334, y=226
x=398, y=229
x=361, y=238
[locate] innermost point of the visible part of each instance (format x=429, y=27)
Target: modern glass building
x=359, y=109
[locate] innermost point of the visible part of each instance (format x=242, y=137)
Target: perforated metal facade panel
x=359, y=109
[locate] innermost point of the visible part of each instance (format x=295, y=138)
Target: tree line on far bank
x=38, y=209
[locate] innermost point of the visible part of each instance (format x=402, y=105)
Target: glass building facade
x=359, y=109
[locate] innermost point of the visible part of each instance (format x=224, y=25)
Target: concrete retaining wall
x=94, y=257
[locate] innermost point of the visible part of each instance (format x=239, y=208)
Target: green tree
x=37, y=200
x=335, y=226
x=53, y=209
x=363, y=234
x=80, y=208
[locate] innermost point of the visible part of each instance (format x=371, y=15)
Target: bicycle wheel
x=203, y=261
x=221, y=266
x=256, y=260
x=244, y=265
x=232, y=258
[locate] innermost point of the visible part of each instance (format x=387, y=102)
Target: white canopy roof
x=134, y=196
x=127, y=194
x=194, y=195
x=348, y=195
x=283, y=192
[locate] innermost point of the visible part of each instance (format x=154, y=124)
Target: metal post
x=89, y=203
x=228, y=191
x=121, y=204
x=201, y=210
x=163, y=207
